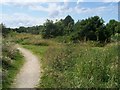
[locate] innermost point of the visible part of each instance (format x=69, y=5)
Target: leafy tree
x=4, y=30
x=68, y=20
x=89, y=29
x=22, y=29
x=68, y=24
x=50, y=29
x=32, y=30
x=101, y=34
x=111, y=27
x=117, y=28
x=60, y=28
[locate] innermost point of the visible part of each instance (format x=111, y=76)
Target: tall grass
x=30, y=39
x=74, y=66
x=79, y=65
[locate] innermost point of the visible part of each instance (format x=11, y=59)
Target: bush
x=115, y=37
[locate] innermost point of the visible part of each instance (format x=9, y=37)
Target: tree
x=50, y=29
x=117, y=28
x=111, y=26
x=111, y=29
x=60, y=28
x=68, y=20
x=22, y=29
x=4, y=30
x=88, y=29
x=68, y=24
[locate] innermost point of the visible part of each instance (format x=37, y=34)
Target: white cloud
x=53, y=9
x=110, y=0
x=78, y=1
x=97, y=10
x=20, y=19
x=31, y=1
x=38, y=8
x=101, y=0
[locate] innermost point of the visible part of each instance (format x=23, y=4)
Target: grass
x=38, y=50
x=80, y=65
x=12, y=61
x=76, y=66
x=10, y=73
x=29, y=39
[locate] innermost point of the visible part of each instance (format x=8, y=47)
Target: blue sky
x=15, y=14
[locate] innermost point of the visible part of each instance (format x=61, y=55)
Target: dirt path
x=29, y=75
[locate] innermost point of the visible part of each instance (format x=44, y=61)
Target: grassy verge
x=12, y=61
x=38, y=50
x=10, y=73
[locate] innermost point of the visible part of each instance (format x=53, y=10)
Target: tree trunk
x=85, y=39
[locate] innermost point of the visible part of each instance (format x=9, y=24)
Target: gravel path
x=29, y=75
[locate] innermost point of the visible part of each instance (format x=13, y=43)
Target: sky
x=26, y=13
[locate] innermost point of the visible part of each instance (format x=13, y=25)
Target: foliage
x=72, y=54
x=75, y=66
x=111, y=26
x=12, y=60
x=31, y=30
x=68, y=24
x=50, y=29
x=59, y=28
x=89, y=29
x=4, y=30
x=92, y=28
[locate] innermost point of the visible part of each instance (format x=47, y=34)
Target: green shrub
x=115, y=37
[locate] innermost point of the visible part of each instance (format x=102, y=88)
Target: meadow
x=73, y=52
x=74, y=65
x=82, y=54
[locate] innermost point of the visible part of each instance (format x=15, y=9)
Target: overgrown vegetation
x=75, y=66
x=73, y=55
x=92, y=28
x=12, y=61
x=78, y=65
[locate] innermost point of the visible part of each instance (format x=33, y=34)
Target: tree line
x=92, y=28
x=21, y=29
